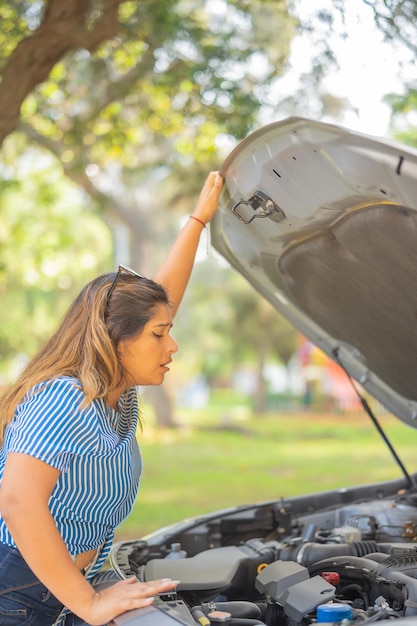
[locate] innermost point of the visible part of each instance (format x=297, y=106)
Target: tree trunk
x=259, y=400
x=163, y=406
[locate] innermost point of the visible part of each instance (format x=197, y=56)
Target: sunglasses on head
x=122, y=269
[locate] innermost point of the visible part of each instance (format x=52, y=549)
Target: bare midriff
x=84, y=559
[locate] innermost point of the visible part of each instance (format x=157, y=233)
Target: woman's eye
x=156, y=335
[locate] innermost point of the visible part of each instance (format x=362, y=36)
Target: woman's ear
x=120, y=349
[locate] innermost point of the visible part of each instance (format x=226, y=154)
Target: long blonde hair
x=85, y=345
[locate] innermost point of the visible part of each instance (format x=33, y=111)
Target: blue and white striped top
x=96, y=451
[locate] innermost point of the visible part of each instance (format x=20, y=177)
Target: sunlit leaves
x=404, y=115
x=49, y=247
x=172, y=63
x=14, y=26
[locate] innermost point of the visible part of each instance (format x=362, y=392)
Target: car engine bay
x=348, y=556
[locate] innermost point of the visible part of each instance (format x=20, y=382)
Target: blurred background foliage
x=112, y=113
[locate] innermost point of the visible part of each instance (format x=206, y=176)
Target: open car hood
x=322, y=221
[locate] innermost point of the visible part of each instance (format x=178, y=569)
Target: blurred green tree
x=130, y=97
x=47, y=241
x=404, y=115
x=127, y=96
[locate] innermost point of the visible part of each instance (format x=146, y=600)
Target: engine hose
x=358, y=562
x=406, y=563
x=356, y=588
x=309, y=553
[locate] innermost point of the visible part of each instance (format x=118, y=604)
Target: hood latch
x=263, y=206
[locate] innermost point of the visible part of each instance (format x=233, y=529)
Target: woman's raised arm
x=175, y=271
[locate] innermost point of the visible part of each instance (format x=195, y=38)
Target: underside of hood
x=322, y=221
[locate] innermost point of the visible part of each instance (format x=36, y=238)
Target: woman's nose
x=173, y=346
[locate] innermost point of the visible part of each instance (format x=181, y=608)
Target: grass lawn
x=217, y=459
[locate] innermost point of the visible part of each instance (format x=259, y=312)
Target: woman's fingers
x=209, y=197
x=150, y=587
x=126, y=595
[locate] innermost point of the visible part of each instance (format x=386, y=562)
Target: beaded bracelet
x=197, y=219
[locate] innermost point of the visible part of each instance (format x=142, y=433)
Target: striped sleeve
x=50, y=425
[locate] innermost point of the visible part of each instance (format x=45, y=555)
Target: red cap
x=333, y=578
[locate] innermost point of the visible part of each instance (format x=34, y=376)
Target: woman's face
x=146, y=357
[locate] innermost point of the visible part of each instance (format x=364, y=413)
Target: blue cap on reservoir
x=333, y=612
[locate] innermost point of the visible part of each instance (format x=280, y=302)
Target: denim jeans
x=25, y=601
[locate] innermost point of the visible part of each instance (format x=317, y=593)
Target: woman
x=69, y=463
